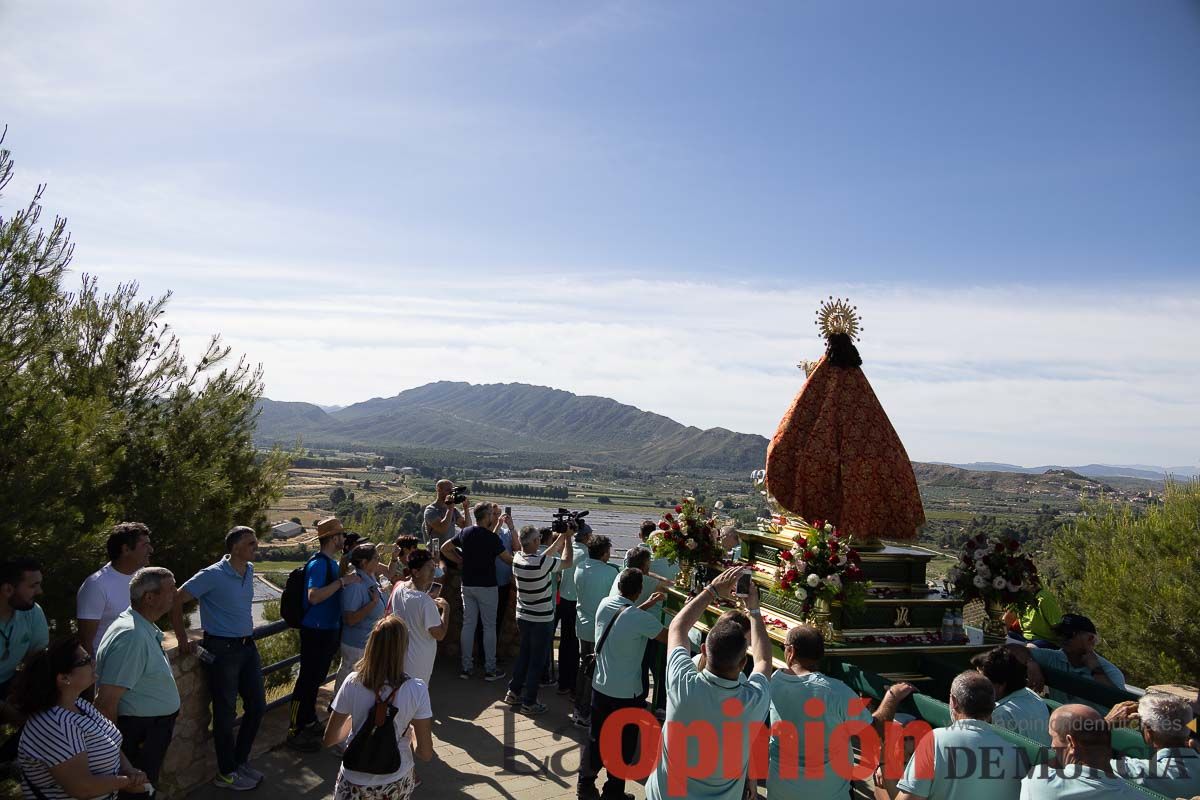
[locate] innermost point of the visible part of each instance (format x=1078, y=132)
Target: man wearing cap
x=230, y=658
x=320, y=630
x=1077, y=636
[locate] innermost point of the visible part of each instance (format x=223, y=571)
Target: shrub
x=1135, y=575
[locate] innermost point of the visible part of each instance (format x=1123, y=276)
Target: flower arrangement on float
x=688, y=537
x=822, y=570
x=995, y=571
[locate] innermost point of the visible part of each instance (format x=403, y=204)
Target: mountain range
x=513, y=417
x=517, y=417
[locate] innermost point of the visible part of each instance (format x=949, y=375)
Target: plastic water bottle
x=960, y=630
x=948, y=627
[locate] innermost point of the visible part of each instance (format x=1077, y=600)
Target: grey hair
x=147, y=579
x=1166, y=715
x=529, y=535
x=973, y=695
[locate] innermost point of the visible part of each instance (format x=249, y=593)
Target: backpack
x=374, y=749
x=293, y=603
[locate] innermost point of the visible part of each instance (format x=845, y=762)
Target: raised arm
x=760, y=642
x=690, y=613
x=450, y=552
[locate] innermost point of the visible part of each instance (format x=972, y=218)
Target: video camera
x=563, y=517
x=458, y=495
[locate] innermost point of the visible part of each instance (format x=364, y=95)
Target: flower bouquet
x=996, y=573
x=822, y=570
x=687, y=537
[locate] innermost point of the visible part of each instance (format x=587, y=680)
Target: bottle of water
x=948, y=627
x=960, y=630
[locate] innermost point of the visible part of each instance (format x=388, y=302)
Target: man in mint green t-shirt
x=593, y=579
x=968, y=759
x=791, y=776
x=624, y=626
x=136, y=688
x=718, y=702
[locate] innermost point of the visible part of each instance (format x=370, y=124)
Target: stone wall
x=510, y=639
x=191, y=759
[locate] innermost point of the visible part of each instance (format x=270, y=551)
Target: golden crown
x=837, y=316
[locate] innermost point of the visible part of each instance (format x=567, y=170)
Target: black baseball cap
x=1071, y=624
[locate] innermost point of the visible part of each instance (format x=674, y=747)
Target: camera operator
x=442, y=520
x=566, y=610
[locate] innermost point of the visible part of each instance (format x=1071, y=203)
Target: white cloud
x=1017, y=374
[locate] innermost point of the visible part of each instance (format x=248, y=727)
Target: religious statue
x=835, y=455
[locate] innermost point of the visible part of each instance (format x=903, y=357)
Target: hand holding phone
x=743, y=584
x=435, y=589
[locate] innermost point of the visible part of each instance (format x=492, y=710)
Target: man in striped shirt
x=534, y=576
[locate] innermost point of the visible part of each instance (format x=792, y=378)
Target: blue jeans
x=479, y=601
x=536, y=640
x=236, y=671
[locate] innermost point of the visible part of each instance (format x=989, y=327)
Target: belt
x=239, y=639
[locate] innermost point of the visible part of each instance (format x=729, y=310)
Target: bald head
x=1081, y=733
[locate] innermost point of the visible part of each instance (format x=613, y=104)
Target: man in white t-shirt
x=104, y=594
x=425, y=615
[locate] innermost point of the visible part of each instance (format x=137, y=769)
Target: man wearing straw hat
x=320, y=632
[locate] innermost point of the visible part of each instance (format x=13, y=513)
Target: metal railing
x=271, y=629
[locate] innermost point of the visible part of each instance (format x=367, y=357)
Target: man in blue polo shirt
x=136, y=688
x=320, y=632
x=230, y=657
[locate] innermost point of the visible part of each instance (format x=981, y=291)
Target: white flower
x=842, y=560
x=813, y=580
x=983, y=571
x=833, y=582
x=801, y=593
x=999, y=583
x=829, y=527
x=979, y=582
x=801, y=566
x=692, y=544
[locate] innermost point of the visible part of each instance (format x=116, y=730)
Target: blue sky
x=591, y=195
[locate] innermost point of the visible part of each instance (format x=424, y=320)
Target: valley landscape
x=515, y=441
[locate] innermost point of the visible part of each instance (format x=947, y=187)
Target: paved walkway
x=483, y=750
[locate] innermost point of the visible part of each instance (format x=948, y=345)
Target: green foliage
x=337, y=497
x=105, y=420
x=1136, y=575
x=519, y=490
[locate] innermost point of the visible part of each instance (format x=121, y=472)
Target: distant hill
x=514, y=418
x=1089, y=470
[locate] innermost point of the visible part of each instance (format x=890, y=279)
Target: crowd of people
x=97, y=708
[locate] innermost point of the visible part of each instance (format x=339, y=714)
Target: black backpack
x=294, y=600
x=374, y=749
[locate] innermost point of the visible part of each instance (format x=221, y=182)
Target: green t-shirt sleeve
x=122, y=661
x=39, y=634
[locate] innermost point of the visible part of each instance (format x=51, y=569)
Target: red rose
x=785, y=555
x=791, y=574
x=833, y=548
x=668, y=517
x=809, y=555
x=675, y=526
x=818, y=524
x=664, y=526
x=678, y=509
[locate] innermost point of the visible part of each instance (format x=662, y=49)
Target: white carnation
x=829, y=527
x=833, y=582
x=801, y=593
x=979, y=582
x=814, y=580
x=983, y=571
x=692, y=544
x=999, y=583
